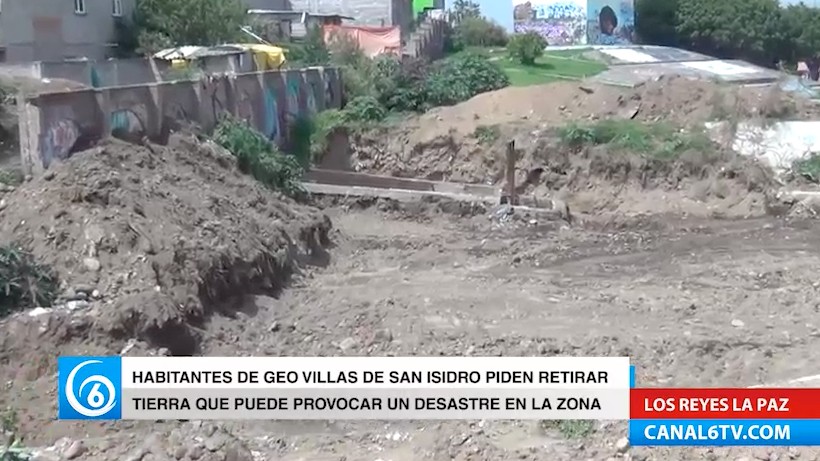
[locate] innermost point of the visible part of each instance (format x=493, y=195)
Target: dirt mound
x=150, y=241
x=467, y=142
x=673, y=99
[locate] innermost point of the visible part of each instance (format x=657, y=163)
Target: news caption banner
x=336, y=388
x=725, y=417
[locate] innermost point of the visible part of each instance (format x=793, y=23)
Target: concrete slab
x=349, y=178
x=401, y=195
x=737, y=72
x=634, y=54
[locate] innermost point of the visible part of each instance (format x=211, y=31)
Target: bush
x=313, y=51
x=357, y=69
x=23, y=282
x=400, y=84
x=364, y=109
x=527, y=47
x=479, y=32
x=461, y=77
x=259, y=158
x=659, y=140
x=300, y=135
x=325, y=123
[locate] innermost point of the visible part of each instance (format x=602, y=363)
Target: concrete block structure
x=55, y=125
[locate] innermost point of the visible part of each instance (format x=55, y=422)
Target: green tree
x=527, y=47
x=479, y=31
x=800, y=36
x=165, y=23
x=313, y=51
x=656, y=21
x=745, y=29
x=463, y=9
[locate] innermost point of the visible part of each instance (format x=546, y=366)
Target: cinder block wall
x=51, y=124
x=365, y=12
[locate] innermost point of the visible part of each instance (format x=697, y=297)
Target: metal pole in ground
x=512, y=198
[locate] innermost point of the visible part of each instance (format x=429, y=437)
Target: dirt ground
x=170, y=250
x=467, y=142
x=693, y=303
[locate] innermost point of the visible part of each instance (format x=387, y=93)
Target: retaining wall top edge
x=46, y=95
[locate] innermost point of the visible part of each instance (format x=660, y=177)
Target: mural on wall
x=610, y=22
x=293, y=87
x=272, y=116
x=245, y=108
x=312, y=91
x=128, y=120
x=214, y=90
x=561, y=22
x=59, y=138
x=284, y=98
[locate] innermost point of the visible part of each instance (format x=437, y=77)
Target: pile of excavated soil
x=149, y=242
x=467, y=143
x=673, y=99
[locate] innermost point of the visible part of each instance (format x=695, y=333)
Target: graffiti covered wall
x=55, y=125
x=561, y=22
x=610, y=22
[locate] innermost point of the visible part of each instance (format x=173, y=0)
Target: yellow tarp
x=179, y=63
x=267, y=57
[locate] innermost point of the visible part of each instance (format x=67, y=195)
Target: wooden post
x=512, y=198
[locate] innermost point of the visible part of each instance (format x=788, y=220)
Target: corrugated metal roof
x=180, y=52
x=193, y=52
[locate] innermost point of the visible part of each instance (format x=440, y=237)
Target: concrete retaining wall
x=55, y=125
x=116, y=72
x=121, y=72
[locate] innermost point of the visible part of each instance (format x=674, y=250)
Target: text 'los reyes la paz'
x=717, y=404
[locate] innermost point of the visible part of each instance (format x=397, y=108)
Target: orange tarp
x=372, y=40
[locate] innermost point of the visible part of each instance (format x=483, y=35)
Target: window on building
x=117, y=7
x=79, y=6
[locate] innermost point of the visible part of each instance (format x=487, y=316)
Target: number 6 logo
x=97, y=404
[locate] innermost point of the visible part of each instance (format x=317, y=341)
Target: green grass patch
x=487, y=134
x=11, y=177
x=808, y=167
x=24, y=283
x=551, y=67
x=658, y=140
x=258, y=157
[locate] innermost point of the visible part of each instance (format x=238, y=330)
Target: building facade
x=54, y=30
x=364, y=12
x=566, y=22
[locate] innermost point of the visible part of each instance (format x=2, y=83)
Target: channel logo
x=89, y=387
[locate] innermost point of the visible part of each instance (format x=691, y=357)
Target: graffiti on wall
x=610, y=22
x=561, y=22
x=245, y=108
x=128, y=120
x=59, y=138
x=214, y=90
x=272, y=116
x=283, y=99
x=292, y=88
x=312, y=91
